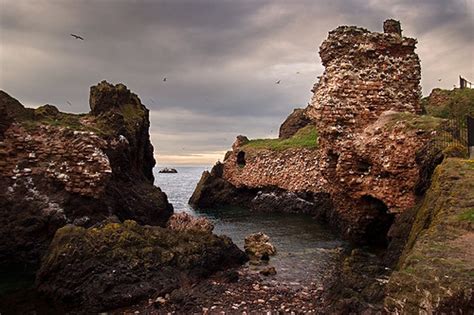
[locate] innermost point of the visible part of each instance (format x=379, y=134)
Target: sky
x=221, y=58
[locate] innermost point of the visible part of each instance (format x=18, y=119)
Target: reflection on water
x=305, y=248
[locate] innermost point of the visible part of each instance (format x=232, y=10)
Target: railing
x=456, y=131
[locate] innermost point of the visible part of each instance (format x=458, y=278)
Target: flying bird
x=297, y=72
x=278, y=82
x=164, y=79
x=439, y=80
x=77, y=36
x=69, y=103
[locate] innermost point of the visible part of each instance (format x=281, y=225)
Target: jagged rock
x=212, y=191
x=278, y=200
x=168, y=170
x=258, y=247
x=294, y=122
x=59, y=168
x=240, y=141
x=184, y=222
x=116, y=265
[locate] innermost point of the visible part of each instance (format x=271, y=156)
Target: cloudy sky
x=221, y=58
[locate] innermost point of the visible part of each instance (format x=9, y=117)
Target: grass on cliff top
x=305, y=138
x=456, y=103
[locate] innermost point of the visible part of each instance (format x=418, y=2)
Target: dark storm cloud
x=221, y=58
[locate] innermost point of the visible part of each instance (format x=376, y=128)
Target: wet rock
x=184, y=222
x=117, y=265
x=168, y=170
x=294, y=122
x=258, y=247
x=213, y=191
x=268, y=271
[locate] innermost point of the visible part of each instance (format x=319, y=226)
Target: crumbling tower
x=366, y=73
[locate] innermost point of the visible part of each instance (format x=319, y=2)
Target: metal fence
x=456, y=131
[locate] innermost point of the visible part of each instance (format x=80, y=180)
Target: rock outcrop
x=116, y=265
x=435, y=274
x=294, y=122
x=58, y=168
x=258, y=246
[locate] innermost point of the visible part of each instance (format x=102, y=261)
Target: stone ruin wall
x=360, y=159
x=366, y=73
x=74, y=158
x=292, y=170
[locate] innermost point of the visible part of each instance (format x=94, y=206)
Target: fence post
x=470, y=136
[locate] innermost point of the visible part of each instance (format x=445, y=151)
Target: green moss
x=432, y=258
x=304, y=138
x=456, y=103
x=467, y=215
x=415, y=122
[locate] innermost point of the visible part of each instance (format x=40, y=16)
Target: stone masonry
x=366, y=155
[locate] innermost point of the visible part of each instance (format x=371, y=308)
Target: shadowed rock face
x=115, y=265
x=294, y=122
x=58, y=168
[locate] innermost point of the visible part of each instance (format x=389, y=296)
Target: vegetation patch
x=414, y=122
x=467, y=215
x=306, y=137
x=456, y=103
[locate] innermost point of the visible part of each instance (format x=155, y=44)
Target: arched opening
x=241, y=158
x=380, y=220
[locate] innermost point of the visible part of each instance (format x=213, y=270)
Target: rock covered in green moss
x=115, y=265
x=435, y=274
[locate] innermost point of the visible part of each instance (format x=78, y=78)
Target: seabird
x=439, y=80
x=77, y=36
x=277, y=82
x=69, y=103
x=164, y=79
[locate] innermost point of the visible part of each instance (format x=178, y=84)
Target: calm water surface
x=306, y=250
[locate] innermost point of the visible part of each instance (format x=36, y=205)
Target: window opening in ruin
x=241, y=158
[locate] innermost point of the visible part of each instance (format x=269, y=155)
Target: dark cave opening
x=241, y=158
x=380, y=220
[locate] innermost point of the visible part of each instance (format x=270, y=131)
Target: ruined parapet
x=366, y=74
x=392, y=26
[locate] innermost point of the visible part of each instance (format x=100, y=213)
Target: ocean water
x=306, y=250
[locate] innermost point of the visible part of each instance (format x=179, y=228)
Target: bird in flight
x=278, y=82
x=439, y=80
x=297, y=72
x=164, y=79
x=69, y=103
x=77, y=36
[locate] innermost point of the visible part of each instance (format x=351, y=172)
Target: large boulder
x=294, y=122
x=115, y=265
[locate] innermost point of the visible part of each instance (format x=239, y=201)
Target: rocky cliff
x=435, y=274
x=58, y=168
